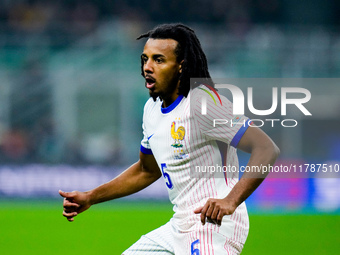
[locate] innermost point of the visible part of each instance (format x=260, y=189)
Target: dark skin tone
x=263, y=151
x=161, y=70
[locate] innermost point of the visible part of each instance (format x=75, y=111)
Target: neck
x=167, y=101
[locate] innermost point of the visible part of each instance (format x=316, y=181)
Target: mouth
x=149, y=82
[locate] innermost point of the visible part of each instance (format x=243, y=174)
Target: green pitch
x=38, y=228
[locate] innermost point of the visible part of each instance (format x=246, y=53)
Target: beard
x=167, y=92
x=154, y=95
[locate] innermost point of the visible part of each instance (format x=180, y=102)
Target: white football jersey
x=183, y=140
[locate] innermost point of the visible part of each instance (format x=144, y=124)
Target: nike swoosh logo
x=150, y=136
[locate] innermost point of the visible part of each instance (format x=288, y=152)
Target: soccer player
x=210, y=214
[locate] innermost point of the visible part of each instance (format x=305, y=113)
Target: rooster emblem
x=177, y=135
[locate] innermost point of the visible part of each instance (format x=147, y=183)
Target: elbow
x=275, y=152
x=269, y=152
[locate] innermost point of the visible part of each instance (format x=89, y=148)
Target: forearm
x=263, y=153
x=130, y=181
x=252, y=179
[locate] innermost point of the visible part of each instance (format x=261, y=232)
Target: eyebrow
x=153, y=56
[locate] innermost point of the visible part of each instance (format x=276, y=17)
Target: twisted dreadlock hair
x=189, y=49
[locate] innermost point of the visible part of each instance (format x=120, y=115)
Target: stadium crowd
x=30, y=135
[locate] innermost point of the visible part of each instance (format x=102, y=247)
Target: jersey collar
x=173, y=105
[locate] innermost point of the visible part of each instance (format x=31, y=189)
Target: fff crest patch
x=178, y=134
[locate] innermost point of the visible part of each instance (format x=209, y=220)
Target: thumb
x=67, y=194
x=198, y=210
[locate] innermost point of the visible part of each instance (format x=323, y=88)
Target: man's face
x=161, y=69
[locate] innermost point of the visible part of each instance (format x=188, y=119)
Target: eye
x=144, y=59
x=159, y=60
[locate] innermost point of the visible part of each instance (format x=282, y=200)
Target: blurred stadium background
x=71, y=99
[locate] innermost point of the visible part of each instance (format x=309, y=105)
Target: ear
x=180, y=66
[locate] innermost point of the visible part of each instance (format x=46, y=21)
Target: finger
x=211, y=221
x=215, y=213
x=198, y=210
x=67, y=194
x=69, y=214
x=220, y=217
x=203, y=213
x=62, y=193
x=70, y=219
x=67, y=203
x=70, y=209
x=209, y=211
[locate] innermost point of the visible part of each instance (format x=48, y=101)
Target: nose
x=148, y=68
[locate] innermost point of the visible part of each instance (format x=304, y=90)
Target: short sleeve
x=217, y=121
x=145, y=146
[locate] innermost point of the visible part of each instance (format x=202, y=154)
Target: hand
x=214, y=210
x=74, y=203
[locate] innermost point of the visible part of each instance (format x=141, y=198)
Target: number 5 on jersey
x=166, y=176
x=195, y=251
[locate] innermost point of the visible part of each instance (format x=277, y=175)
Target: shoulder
x=207, y=96
x=206, y=91
x=152, y=109
x=151, y=104
x=198, y=92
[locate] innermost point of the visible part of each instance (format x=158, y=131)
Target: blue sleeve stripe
x=239, y=134
x=145, y=150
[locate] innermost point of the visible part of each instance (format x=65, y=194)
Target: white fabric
x=180, y=138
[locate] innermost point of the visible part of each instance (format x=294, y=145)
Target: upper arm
x=149, y=164
x=254, y=138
